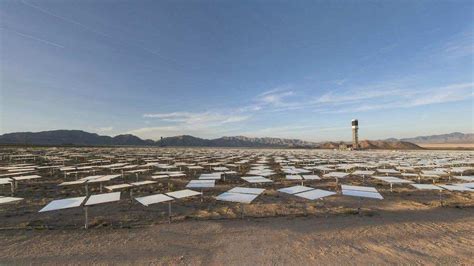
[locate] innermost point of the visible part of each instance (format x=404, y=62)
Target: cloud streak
x=275, y=97
x=198, y=118
x=35, y=38
x=404, y=99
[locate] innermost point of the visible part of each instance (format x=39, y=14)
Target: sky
x=289, y=69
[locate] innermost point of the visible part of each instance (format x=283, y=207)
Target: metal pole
x=360, y=206
x=86, y=223
x=169, y=212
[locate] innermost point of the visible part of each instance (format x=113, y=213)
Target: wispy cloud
x=274, y=97
x=34, y=38
x=104, y=129
x=359, y=94
x=125, y=42
x=209, y=123
x=403, y=93
x=450, y=93
x=403, y=99
x=77, y=23
x=198, y=118
x=459, y=46
x=388, y=95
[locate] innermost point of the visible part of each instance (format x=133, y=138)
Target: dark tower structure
x=355, y=134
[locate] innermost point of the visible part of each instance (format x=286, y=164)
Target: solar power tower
x=355, y=134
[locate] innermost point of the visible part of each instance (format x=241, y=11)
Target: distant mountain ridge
x=82, y=138
x=70, y=137
x=455, y=137
x=237, y=141
x=79, y=137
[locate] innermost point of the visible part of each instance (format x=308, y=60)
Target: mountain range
x=455, y=137
x=79, y=137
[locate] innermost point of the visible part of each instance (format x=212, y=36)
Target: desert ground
x=408, y=226
x=405, y=236
x=441, y=146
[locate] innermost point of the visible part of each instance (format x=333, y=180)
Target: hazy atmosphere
x=281, y=69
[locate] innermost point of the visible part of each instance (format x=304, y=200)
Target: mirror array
x=34, y=182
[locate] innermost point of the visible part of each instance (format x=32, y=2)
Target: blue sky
x=294, y=69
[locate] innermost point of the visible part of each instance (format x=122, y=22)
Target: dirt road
x=439, y=235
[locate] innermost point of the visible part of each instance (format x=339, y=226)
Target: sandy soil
x=449, y=146
x=431, y=236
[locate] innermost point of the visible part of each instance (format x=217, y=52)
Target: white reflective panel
x=429, y=176
x=220, y=169
x=360, y=193
x=252, y=177
x=159, y=176
x=426, y=187
x=256, y=179
x=456, y=188
x=294, y=177
x=103, y=178
x=359, y=188
x=388, y=171
x=69, y=183
x=92, y=177
x=295, y=189
x=315, y=194
x=142, y=183
x=247, y=190
x=230, y=172
x=336, y=174
x=212, y=176
x=201, y=184
x=177, y=175
x=469, y=185
x=8, y=199
x=103, y=198
x=183, y=193
x=5, y=180
x=311, y=177
x=465, y=178
x=236, y=197
x=152, y=199
x=195, y=167
x=26, y=177
x=431, y=172
x=119, y=186
x=63, y=204
x=393, y=180
x=359, y=172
